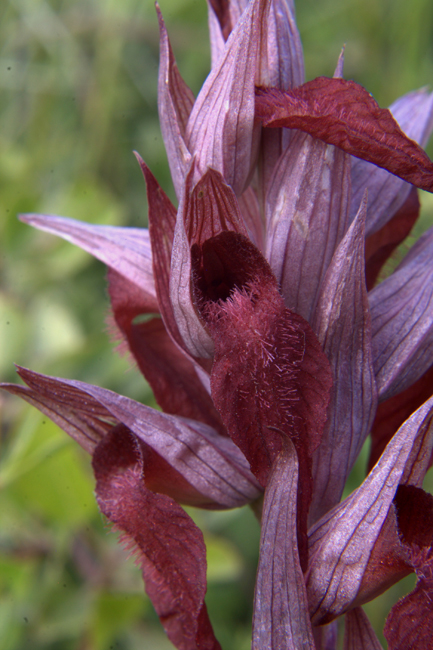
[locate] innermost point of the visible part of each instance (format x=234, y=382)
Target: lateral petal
x=175, y=102
x=168, y=545
x=221, y=131
x=358, y=632
x=194, y=335
x=341, y=542
x=402, y=320
x=343, y=326
x=285, y=59
x=126, y=250
x=162, y=222
x=210, y=463
x=281, y=617
x=307, y=216
x=321, y=108
x=219, y=23
x=387, y=193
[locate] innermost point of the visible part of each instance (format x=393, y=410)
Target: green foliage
x=78, y=83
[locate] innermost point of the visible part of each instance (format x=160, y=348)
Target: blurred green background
x=78, y=88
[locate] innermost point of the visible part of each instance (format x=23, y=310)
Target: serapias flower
x=270, y=345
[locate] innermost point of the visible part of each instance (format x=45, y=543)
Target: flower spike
x=254, y=311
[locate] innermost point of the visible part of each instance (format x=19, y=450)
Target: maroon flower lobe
x=269, y=377
x=170, y=547
x=344, y=114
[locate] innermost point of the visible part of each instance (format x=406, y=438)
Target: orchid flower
x=270, y=347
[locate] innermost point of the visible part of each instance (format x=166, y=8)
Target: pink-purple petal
x=281, y=617
x=402, y=321
x=252, y=218
x=341, y=542
x=210, y=463
x=211, y=208
x=285, y=59
x=358, y=632
x=175, y=102
x=194, y=335
x=216, y=17
x=283, y=67
x=162, y=222
x=307, y=216
x=126, y=250
x=86, y=424
x=343, y=326
x=221, y=132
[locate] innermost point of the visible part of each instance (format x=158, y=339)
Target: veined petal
x=339, y=68
x=343, y=326
x=175, y=102
x=237, y=8
x=252, y=218
x=414, y=113
x=325, y=636
x=283, y=67
x=211, y=208
x=126, y=250
x=386, y=192
x=285, y=59
x=402, y=320
x=87, y=426
x=162, y=222
x=88, y=423
x=307, y=216
x=283, y=64
x=194, y=336
x=281, y=617
x=168, y=545
x=210, y=463
x=221, y=131
x=219, y=23
x=342, y=541
x=358, y=632
x=344, y=114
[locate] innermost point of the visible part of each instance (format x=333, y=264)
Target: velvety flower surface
x=270, y=348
